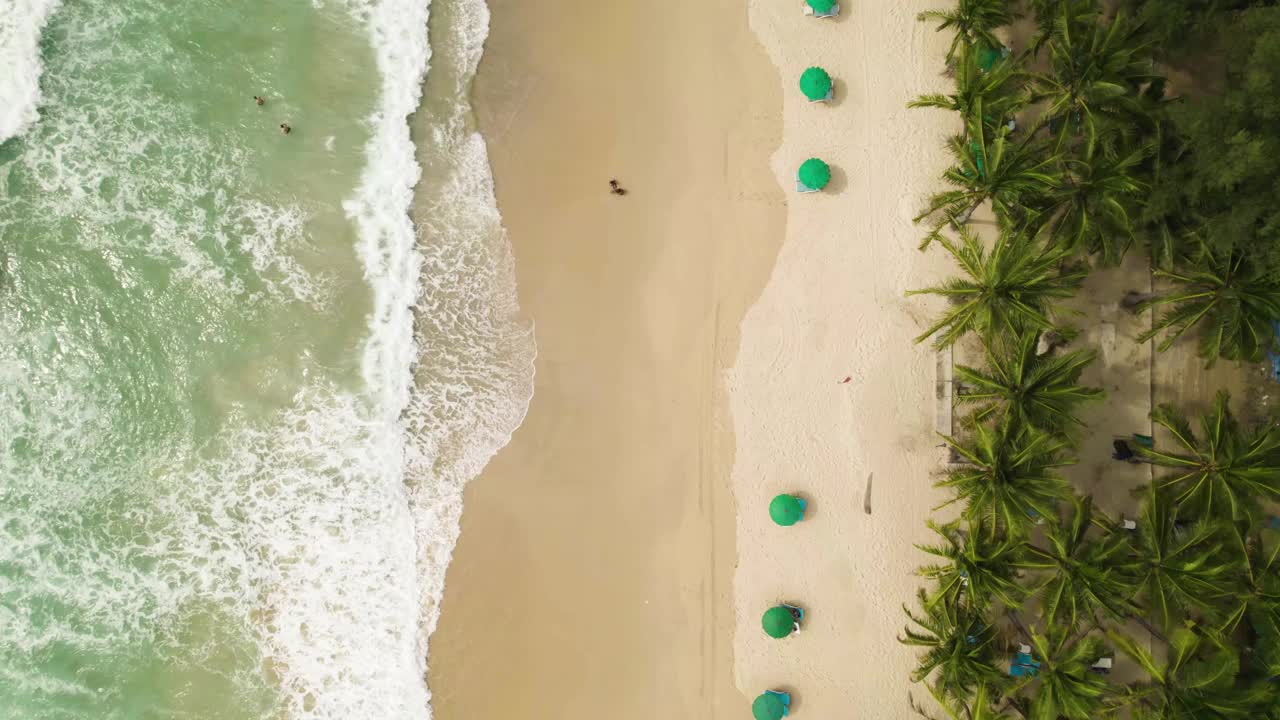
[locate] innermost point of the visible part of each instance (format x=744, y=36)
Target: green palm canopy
x=768, y=707
x=814, y=174
x=786, y=510
x=777, y=622
x=815, y=83
x=822, y=6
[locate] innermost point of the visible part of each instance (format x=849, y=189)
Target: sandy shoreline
x=596, y=570
x=593, y=575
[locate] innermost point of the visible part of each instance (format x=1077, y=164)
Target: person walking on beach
x=284, y=128
x=616, y=189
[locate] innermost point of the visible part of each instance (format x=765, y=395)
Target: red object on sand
x=846, y=380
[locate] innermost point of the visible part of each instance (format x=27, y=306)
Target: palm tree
x=1089, y=212
x=980, y=708
x=1258, y=601
x=1020, y=388
x=1084, y=575
x=973, y=22
x=992, y=95
x=979, y=567
x=1099, y=69
x=1197, y=681
x=1232, y=299
x=1009, y=479
x=1013, y=175
x=1181, y=567
x=1225, y=472
x=958, y=647
x=1048, y=13
x=1065, y=685
x=1010, y=289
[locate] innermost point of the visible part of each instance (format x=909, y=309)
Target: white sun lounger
x=834, y=11
x=802, y=188
x=830, y=93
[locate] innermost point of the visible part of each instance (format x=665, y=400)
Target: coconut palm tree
x=973, y=22
x=1256, y=606
x=1084, y=575
x=979, y=708
x=1048, y=13
x=1182, y=567
x=1197, y=681
x=1021, y=388
x=1090, y=212
x=1065, y=685
x=958, y=642
x=1010, y=289
x=992, y=95
x=989, y=165
x=1224, y=472
x=978, y=567
x=1008, y=480
x=1230, y=299
x=1254, y=612
x=1098, y=70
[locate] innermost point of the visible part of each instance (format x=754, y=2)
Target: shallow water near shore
x=229, y=462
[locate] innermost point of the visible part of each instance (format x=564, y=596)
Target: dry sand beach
x=835, y=307
x=595, y=576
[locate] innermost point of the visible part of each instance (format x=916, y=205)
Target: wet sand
x=593, y=575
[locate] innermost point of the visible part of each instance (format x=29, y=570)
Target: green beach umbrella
x=777, y=622
x=977, y=158
x=768, y=707
x=822, y=6
x=988, y=57
x=815, y=83
x=786, y=510
x=814, y=174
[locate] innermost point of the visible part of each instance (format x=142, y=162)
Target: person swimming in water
x=259, y=100
x=284, y=128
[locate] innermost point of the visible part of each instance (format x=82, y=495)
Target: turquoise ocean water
x=243, y=375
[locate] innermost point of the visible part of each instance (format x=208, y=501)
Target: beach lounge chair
x=827, y=98
x=1023, y=664
x=1103, y=666
x=784, y=697
x=834, y=11
x=802, y=188
x=1275, y=357
x=796, y=612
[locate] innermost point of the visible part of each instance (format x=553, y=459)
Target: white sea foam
x=444, y=393
x=271, y=236
x=21, y=22
x=324, y=530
